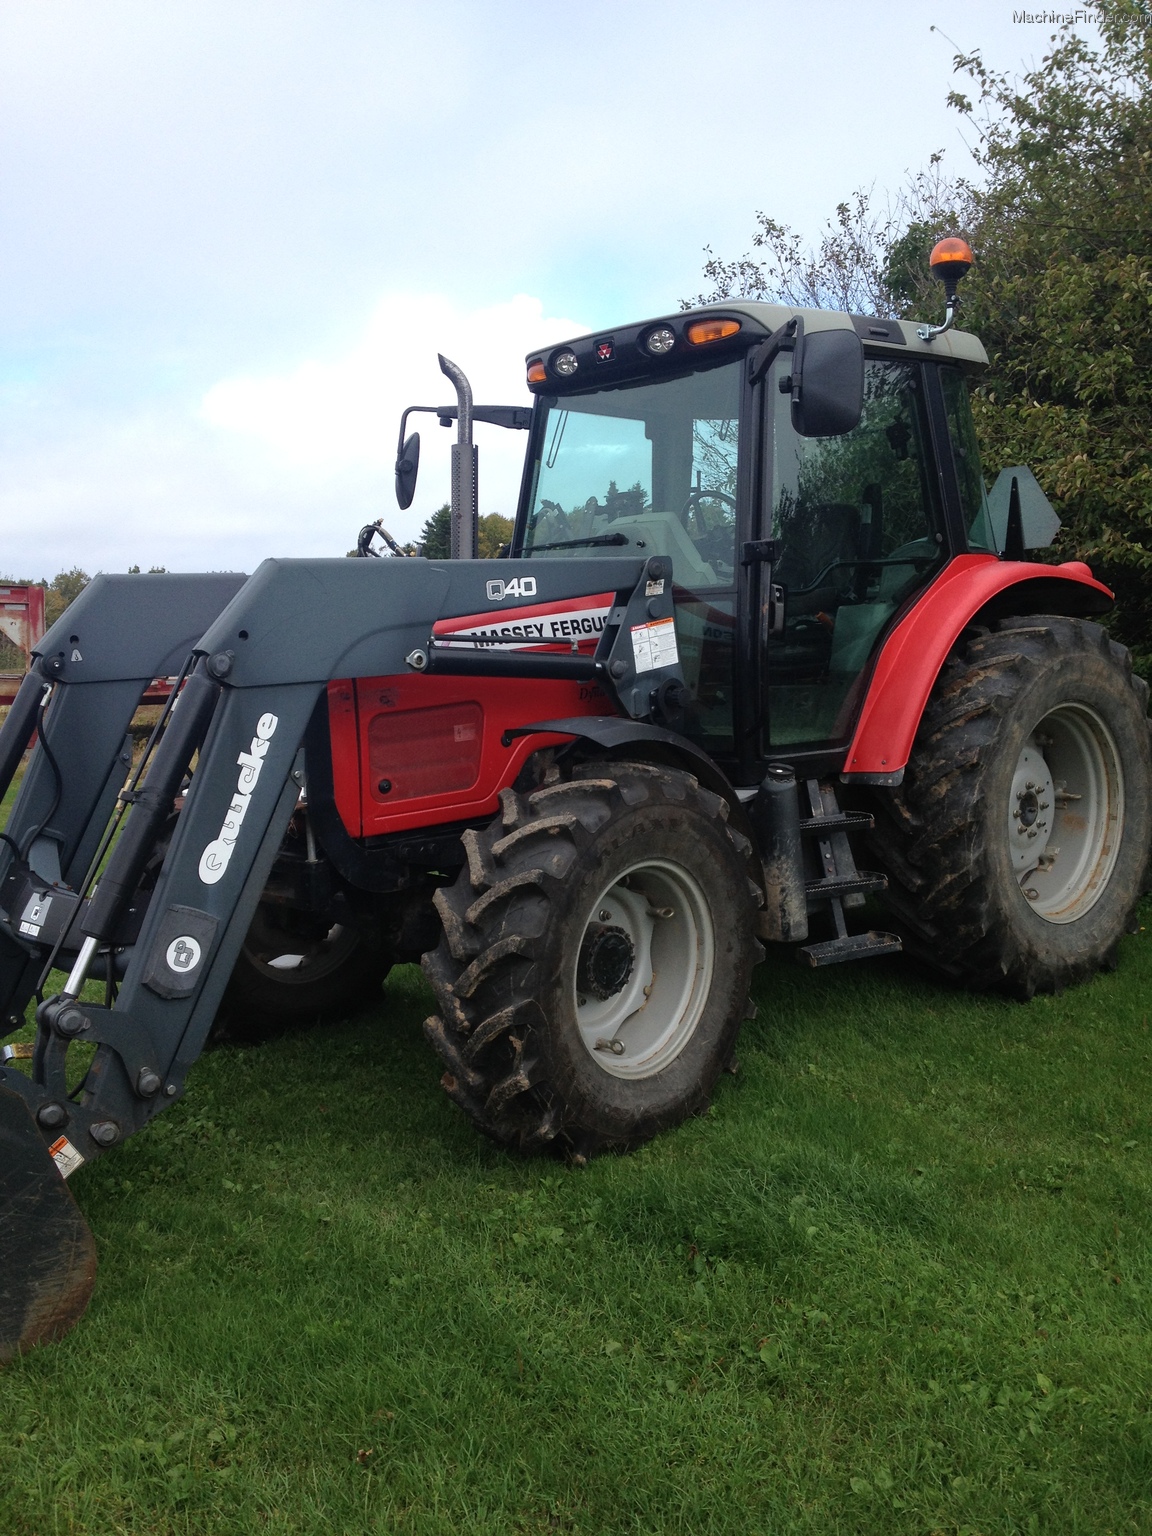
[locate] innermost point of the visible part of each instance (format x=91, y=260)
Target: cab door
x=859, y=528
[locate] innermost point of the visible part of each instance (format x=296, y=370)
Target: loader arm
x=233, y=745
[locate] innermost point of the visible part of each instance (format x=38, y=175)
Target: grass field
x=896, y=1281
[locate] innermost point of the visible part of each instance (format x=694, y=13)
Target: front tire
x=1017, y=846
x=295, y=968
x=593, y=972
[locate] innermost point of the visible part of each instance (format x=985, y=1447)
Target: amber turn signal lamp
x=701, y=331
x=537, y=373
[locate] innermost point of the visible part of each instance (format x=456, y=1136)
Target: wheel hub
x=1065, y=813
x=606, y=960
x=644, y=969
x=1030, y=808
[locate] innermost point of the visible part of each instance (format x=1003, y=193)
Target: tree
x=494, y=531
x=436, y=534
x=1059, y=216
x=62, y=590
x=865, y=261
x=1062, y=288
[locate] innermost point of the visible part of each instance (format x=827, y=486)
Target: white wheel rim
x=291, y=966
x=641, y=1027
x=1066, y=813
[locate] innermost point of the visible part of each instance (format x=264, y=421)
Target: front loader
x=763, y=645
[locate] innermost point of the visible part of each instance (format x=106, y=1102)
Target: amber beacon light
x=951, y=258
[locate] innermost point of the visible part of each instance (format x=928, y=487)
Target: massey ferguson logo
x=214, y=860
x=519, y=586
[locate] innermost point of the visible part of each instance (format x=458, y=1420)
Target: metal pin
x=76, y=977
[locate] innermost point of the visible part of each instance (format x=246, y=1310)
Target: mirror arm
x=763, y=357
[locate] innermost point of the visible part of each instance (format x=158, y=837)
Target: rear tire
x=1017, y=846
x=593, y=972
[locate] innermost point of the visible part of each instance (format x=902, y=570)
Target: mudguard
x=971, y=589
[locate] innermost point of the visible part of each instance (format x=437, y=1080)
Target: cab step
x=853, y=946
x=841, y=884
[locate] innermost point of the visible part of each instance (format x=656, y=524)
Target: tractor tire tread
x=927, y=839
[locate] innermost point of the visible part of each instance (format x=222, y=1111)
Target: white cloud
x=341, y=415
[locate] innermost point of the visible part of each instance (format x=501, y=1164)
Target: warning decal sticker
x=654, y=645
x=65, y=1156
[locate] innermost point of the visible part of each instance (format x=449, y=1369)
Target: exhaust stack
x=465, y=505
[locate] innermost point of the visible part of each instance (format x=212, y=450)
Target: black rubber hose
x=493, y=663
x=152, y=806
x=57, y=783
x=16, y=732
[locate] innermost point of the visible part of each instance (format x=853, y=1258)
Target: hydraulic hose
x=16, y=732
x=152, y=806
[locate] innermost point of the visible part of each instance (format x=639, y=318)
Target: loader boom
x=169, y=911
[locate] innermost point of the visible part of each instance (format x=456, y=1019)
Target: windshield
x=645, y=469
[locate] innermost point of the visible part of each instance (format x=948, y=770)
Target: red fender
x=912, y=655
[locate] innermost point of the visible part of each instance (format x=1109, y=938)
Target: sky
x=234, y=234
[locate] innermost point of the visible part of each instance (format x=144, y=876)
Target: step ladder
x=840, y=884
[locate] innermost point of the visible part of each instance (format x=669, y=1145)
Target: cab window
x=858, y=529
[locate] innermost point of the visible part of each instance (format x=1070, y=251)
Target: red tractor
x=760, y=625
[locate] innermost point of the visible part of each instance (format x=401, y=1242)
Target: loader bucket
x=47, y=1253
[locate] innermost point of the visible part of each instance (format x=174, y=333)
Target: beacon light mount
x=951, y=258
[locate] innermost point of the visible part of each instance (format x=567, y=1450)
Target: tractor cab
x=808, y=473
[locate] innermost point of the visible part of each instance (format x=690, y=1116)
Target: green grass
x=898, y=1280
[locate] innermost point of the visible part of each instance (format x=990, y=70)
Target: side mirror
x=827, y=383
x=407, y=466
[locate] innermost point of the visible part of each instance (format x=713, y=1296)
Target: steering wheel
x=712, y=544
x=691, y=509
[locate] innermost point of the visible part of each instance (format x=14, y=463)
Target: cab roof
x=756, y=320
